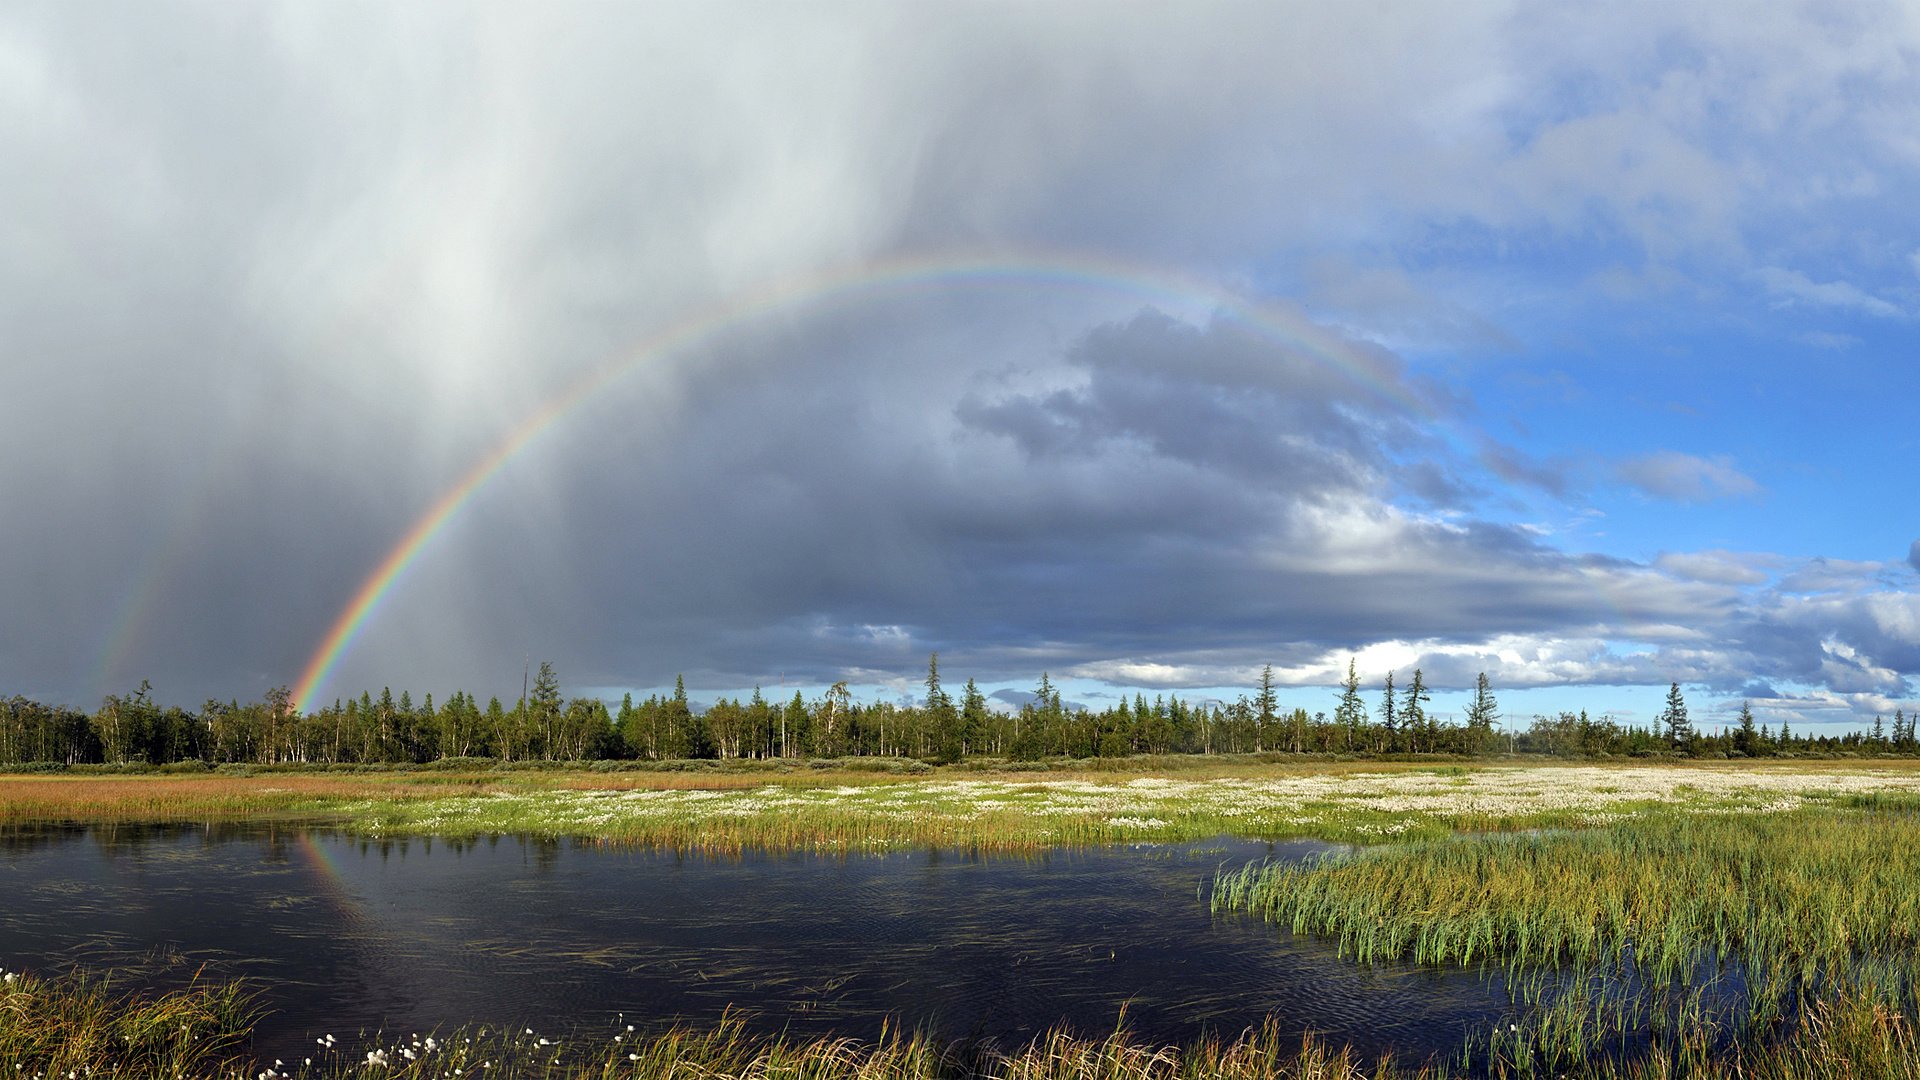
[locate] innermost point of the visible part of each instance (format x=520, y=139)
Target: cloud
x=1793, y=287
x=279, y=278
x=1913, y=555
x=1669, y=474
x=1824, y=339
x=1514, y=466
x=1719, y=567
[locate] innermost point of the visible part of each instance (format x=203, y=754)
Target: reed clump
x=75, y=1025
x=1806, y=891
x=1668, y=945
x=82, y=1025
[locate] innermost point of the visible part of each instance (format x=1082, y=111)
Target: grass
x=1667, y=921
x=75, y=1026
x=1674, y=937
x=82, y=1024
x=838, y=808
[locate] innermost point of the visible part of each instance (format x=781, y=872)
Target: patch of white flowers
x=1382, y=803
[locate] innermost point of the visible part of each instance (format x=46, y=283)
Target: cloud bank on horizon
x=1574, y=346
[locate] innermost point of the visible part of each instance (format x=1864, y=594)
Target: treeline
x=544, y=726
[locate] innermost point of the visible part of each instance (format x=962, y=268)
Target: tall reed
x=1675, y=938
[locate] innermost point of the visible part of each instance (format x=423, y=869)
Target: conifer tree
x=1674, y=718
x=543, y=707
x=1389, y=716
x=1413, y=714
x=1483, y=711
x=973, y=717
x=1266, y=703
x=942, y=719
x=1352, y=712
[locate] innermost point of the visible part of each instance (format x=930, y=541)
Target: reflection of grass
x=1609, y=932
x=783, y=806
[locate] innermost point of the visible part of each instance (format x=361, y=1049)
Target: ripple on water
x=343, y=935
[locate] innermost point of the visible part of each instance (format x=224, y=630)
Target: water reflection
x=345, y=933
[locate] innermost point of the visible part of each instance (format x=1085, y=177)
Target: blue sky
x=1630, y=293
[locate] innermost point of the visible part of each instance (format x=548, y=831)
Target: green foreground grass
x=1688, y=937
x=77, y=1026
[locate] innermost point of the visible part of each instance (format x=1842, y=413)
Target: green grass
x=834, y=807
x=75, y=1025
x=83, y=1024
x=1605, y=897
x=1616, y=939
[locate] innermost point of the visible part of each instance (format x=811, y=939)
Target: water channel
x=343, y=934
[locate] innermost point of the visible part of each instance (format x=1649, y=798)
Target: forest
x=544, y=726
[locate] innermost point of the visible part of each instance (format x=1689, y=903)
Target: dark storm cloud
x=1219, y=401
x=276, y=277
x=1195, y=497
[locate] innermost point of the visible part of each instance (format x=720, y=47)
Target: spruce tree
x=942, y=718
x=543, y=707
x=1674, y=718
x=973, y=717
x=1389, y=716
x=1352, y=712
x=1266, y=703
x=1413, y=714
x=1483, y=710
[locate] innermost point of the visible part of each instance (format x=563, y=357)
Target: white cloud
x=1826, y=339
x=1793, y=287
x=1719, y=567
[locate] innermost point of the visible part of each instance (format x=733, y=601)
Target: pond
x=343, y=934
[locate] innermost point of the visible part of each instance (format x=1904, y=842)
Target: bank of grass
x=866, y=804
x=82, y=1024
x=1013, y=812
x=77, y=1026
x=1789, y=941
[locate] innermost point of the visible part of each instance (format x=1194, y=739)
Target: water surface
x=343, y=934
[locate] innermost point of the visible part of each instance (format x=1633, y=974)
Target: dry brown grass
x=194, y=798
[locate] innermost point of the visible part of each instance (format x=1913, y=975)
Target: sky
x=349, y=345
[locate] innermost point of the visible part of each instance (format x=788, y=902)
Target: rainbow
x=333, y=887
x=997, y=269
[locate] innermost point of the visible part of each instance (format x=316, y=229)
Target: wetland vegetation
x=1682, y=917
